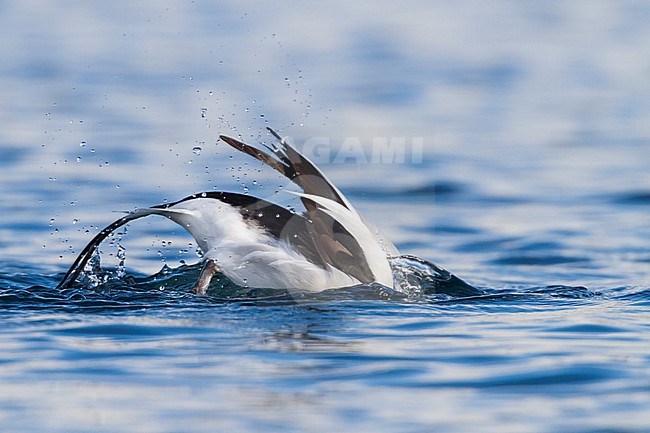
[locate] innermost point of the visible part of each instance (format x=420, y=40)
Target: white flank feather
x=245, y=253
x=351, y=220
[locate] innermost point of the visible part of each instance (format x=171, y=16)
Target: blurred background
x=506, y=141
x=532, y=119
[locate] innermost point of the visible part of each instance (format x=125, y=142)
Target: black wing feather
x=276, y=220
x=292, y=164
x=88, y=251
x=334, y=244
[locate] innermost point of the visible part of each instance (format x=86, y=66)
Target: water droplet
x=196, y=150
x=75, y=221
x=78, y=159
x=204, y=112
x=82, y=144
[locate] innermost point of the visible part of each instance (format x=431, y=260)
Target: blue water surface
x=505, y=142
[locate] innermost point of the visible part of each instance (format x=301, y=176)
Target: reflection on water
x=532, y=187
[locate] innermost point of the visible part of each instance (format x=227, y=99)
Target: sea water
x=505, y=142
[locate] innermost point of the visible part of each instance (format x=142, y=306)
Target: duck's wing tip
x=275, y=134
x=85, y=255
x=294, y=165
x=280, y=165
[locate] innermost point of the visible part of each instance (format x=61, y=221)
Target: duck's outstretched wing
x=324, y=238
x=278, y=222
x=331, y=233
x=89, y=250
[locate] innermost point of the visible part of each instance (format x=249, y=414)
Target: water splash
x=416, y=280
x=417, y=277
x=423, y=283
x=121, y=256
